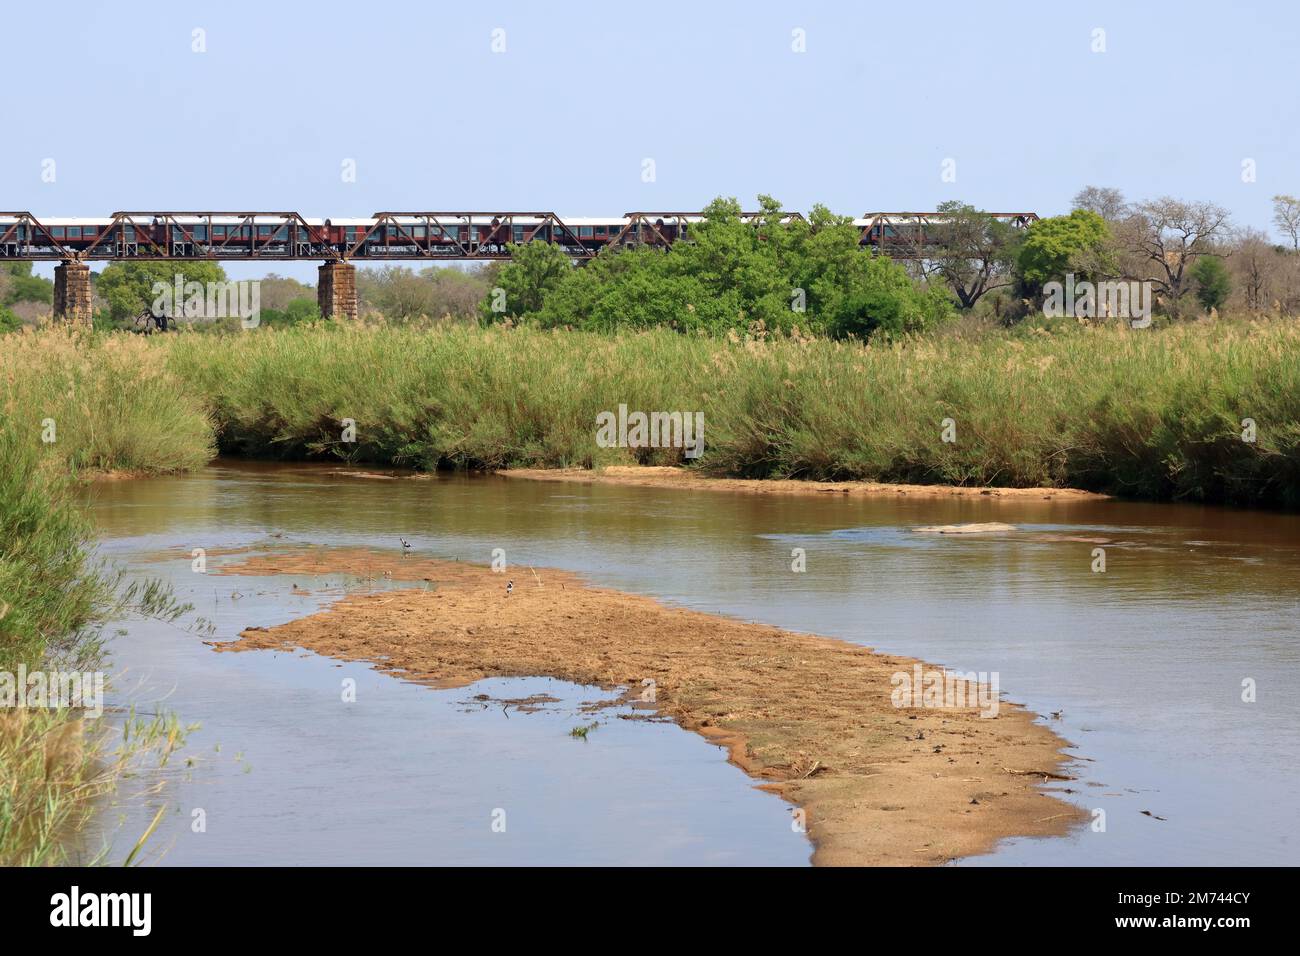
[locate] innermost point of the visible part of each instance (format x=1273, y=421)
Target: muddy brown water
x=1145, y=663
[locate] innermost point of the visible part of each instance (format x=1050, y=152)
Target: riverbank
x=1203, y=411
x=811, y=718
x=73, y=405
x=663, y=476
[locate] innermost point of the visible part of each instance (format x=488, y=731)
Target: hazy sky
x=713, y=93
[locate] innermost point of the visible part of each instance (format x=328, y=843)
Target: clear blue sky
x=712, y=92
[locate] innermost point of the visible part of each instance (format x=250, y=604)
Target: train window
x=89, y=230
x=518, y=232
x=584, y=232
x=57, y=232
x=263, y=230
x=74, y=232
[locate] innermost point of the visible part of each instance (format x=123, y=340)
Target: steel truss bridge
x=400, y=236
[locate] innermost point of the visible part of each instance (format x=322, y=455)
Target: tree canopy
x=1213, y=282
x=1052, y=247
x=127, y=287
x=775, y=274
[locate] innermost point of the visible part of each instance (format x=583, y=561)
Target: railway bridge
x=162, y=236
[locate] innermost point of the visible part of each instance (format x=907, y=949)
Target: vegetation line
x=1204, y=411
x=72, y=404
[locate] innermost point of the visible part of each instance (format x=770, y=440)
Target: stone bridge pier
x=72, y=298
x=336, y=291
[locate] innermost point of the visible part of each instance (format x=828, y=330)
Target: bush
x=294, y=312
x=733, y=276
x=1213, y=282
x=1057, y=245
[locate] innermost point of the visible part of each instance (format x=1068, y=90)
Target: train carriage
x=410, y=236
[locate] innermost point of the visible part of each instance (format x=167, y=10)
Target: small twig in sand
x=1037, y=773
x=1055, y=816
x=539, y=580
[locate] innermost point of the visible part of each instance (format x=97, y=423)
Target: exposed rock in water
x=978, y=527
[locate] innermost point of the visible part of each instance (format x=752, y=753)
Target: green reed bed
x=1152, y=413
x=74, y=403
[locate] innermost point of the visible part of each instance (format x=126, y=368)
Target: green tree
x=301, y=310
x=128, y=287
x=1286, y=214
x=20, y=285
x=1052, y=247
x=534, y=269
x=735, y=273
x=628, y=288
x=294, y=312
x=1213, y=282
x=853, y=293
x=8, y=321
x=737, y=267
x=974, y=252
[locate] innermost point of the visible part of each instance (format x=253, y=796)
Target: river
x=1144, y=661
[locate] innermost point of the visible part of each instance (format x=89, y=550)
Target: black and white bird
x=406, y=545
x=510, y=586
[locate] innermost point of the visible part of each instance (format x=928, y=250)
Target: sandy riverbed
x=810, y=717
x=670, y=477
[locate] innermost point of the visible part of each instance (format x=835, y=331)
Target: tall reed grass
x=1154, y=413
x=70, y=403
x=101, y=403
